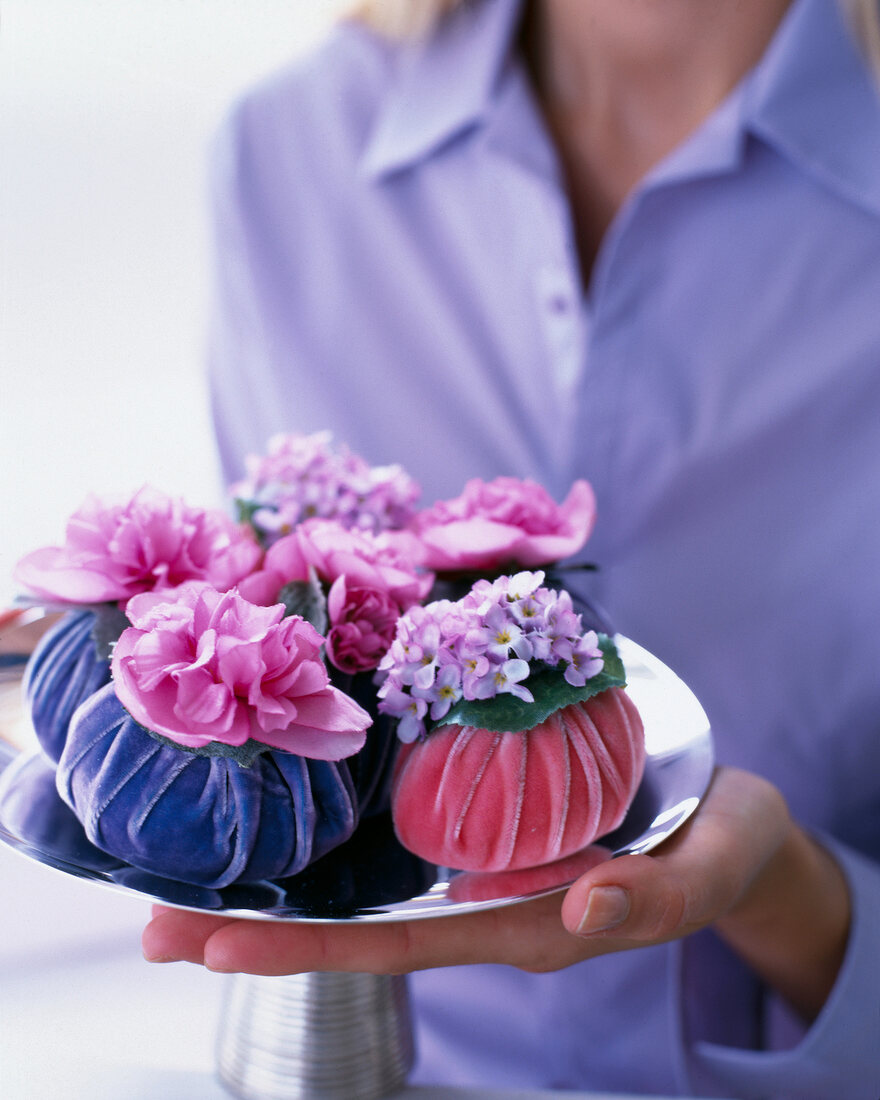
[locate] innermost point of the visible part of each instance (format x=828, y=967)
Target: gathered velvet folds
x=32, y=810
x=479, y=800
x=200, y=819
x=63, y=671
x=372, y=768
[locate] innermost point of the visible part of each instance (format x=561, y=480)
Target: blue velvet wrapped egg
x=202, y=819
x=63, y=671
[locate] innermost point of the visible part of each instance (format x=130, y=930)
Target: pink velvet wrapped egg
x=480, y=800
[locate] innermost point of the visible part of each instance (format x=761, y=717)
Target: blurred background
x=106, y=109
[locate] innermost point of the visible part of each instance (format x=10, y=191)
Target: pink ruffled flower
x=365, y=560
x=284, y=562
x=211, y=667
x=502, y=522
x=381, y=563
x=152, y=542
x=363, y=624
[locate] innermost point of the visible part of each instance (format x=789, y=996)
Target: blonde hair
x=404, y=19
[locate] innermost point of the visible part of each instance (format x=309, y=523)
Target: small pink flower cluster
x=484, y=645
x=303, y=476
x=205, y=666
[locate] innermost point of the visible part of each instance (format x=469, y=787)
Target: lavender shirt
x=396, y=262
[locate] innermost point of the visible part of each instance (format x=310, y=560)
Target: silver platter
x=372, y=877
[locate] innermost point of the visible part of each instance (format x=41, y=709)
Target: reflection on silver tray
x=372, y=877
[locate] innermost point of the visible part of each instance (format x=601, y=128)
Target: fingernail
x=159, y=958
x=218, y=967
x=607, y=907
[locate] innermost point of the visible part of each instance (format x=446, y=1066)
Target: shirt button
x=559, y=305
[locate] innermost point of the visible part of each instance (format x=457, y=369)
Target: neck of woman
x=622, y=82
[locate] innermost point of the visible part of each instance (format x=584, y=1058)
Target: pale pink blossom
x=303, y=476
x=212, y=667
x=486, y=644
x=152, y=542
x=503, y=522
x=444, y=692
x=505, y=679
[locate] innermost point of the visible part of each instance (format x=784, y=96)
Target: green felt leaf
x=306, y=598
x=244, y=755
x=507, y=713
x=244, y=513
x=109, y=623
x=245, y=509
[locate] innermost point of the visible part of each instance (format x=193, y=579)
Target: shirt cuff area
x=839, y=1054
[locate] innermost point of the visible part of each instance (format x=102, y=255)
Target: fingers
x=528, y=935
x=698, y=876
x=301, y=947
x=517, y=935
x=179, y=935
x=263, y=947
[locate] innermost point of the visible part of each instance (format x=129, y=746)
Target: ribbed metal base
x=315, y=1037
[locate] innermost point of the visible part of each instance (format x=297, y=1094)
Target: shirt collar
x=814, y=100
x=443, y=86
x=802, y=98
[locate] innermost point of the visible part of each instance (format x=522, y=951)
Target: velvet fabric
x=372, y=768
x=31, y=810
x=371, y=870
x=478, y=800
x=200, y=819
x=63, y=671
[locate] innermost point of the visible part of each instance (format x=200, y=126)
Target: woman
x=637, y=243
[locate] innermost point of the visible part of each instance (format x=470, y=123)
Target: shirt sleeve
x=839, y=1055
x=239, y=338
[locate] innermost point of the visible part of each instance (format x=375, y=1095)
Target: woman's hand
x=740, y=863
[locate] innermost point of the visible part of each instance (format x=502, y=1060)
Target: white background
x=106, y=108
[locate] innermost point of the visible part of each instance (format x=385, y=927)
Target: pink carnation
x=505, y=522
x=152, y=542
x=381, y=563
x=210, y=666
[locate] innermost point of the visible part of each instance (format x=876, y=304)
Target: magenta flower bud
x=362, y=625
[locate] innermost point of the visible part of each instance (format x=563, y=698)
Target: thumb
x=697, y=876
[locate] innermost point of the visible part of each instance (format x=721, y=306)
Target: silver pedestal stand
x=315, y=1036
